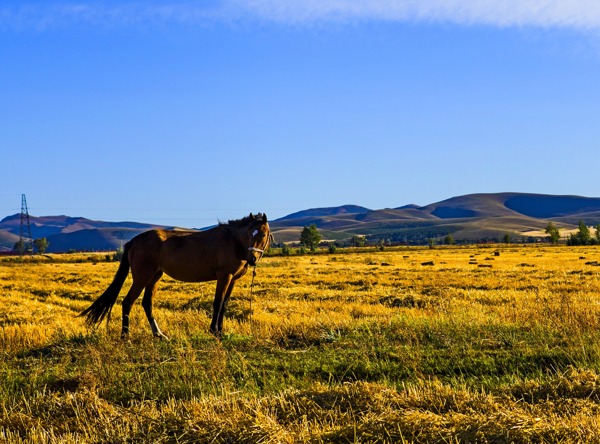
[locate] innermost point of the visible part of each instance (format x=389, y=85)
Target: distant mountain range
x=66, y=233
x=470, y=218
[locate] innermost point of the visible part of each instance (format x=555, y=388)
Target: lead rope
x=262, y=252
x=252, y=297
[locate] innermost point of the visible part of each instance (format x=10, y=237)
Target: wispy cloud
x=579, y=14
x=543, y=13
x=109, y=15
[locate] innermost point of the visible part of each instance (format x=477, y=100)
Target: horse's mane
x=244, y=221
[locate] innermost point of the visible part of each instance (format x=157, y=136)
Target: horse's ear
x=264, y=218
x=251, y=216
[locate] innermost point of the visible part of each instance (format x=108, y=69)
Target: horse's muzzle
x=252, y=258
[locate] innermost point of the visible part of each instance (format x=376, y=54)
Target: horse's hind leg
x=133, y=293
x=147, y=304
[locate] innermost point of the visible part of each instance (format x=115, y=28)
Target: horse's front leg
x=224, y=305
x=222, y=294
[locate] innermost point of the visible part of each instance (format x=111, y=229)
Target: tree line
x=40, y=245
x=583, y=235
x=310, y=238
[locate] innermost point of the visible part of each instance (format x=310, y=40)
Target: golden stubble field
x=461, y=344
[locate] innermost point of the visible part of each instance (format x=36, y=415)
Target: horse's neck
x=239, y=235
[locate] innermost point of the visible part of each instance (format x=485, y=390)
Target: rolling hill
x=66, y=233
x=469, y=218
x=473, y=218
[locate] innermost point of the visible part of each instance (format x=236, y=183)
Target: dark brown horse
x=222, y=253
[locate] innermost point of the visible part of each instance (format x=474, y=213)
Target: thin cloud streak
x=583, y=14
x=124, y=15
x=576, y=14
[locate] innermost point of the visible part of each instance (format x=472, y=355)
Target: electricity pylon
x=25, y=238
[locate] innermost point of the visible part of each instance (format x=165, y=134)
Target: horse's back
x=184, y=255
x=150, y=242
x=157, y=237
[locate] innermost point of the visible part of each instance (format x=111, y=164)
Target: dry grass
x=447, y=345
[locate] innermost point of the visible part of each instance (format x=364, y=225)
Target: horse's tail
x=102, y=306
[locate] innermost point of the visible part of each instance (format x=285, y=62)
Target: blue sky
x=185, y=113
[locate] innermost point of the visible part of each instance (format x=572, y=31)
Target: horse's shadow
x=63, y=345
x=238, y=309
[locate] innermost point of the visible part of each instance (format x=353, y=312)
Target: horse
x=222, y=253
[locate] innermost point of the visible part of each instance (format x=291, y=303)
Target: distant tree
x=552, y=232
x=118, y=255
x=584, y=233
x=507, y=238
x=41, y=245
x=310, y=237
x=358, y=241
x=285, y=249
x=597, y=228
x=332, y=248
x=449, y=240
x=573, y=240
x=581, y=237
x=19, y=247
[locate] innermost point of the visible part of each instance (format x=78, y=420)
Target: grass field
x=446, y=345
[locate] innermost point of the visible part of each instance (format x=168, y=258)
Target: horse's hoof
x=161, y=336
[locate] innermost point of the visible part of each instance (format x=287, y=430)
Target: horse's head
x=259, y=238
